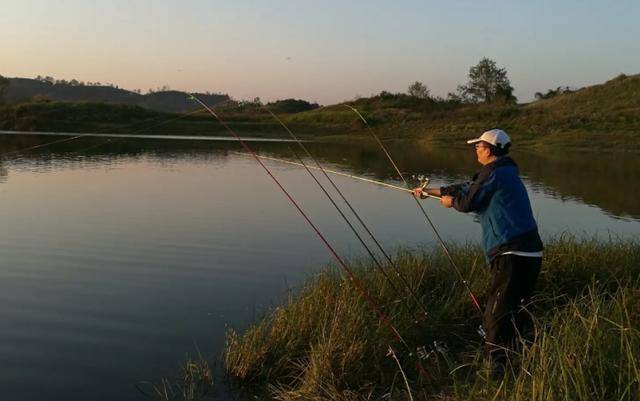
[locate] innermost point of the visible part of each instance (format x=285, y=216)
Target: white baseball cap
x=495, y=137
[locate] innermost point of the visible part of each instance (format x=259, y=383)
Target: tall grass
x=194, y=383
x=325, y=342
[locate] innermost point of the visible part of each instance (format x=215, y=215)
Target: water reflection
x=138, y=247
x=4, y=172
x=598, y=179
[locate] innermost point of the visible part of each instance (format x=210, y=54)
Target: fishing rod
x=424, y=212
x=343, y=265
x=103, y=133
x=371, y=254
x=340, y=173
x=360, y=220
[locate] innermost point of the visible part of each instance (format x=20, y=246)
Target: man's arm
x=466, y=197
x=477, y=195
x=449, y=193
x=433, y=191
x=455, y=190
x=440, y=192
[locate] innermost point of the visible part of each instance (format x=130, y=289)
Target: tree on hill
x=487, y=83
x=4, y=83
x=291, y=106
x=47, y=79
x=419, y=90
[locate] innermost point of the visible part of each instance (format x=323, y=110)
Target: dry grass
x=325, y=343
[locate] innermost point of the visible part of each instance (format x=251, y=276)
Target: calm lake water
x=117, y=257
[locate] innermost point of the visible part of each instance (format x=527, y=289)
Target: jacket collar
x=500, y=162
x=487, y=169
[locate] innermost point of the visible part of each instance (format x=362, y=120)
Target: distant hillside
x=618, y=95
x=600, y=117
x=165, y=101
x=607, y=114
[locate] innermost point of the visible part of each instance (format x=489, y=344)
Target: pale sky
x=324, y=51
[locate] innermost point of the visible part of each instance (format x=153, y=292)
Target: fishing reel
x=422, y=179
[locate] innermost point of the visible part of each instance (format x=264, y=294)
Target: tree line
x=74, y=82
x=487, y=83
x=285, y=106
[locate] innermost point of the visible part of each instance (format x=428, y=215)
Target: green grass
x=325, y=342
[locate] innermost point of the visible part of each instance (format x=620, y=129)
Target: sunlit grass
x=325, y=342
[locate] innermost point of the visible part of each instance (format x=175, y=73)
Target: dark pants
x=505, y=318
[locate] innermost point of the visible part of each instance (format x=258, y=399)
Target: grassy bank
x=325, y=342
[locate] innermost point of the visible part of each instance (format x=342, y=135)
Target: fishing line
x=19, y=151
x=335, y=172
x=353, y=229
x=362, y=223
x=424, y=212
x=365, y=294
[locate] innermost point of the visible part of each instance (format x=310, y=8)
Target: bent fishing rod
x=340, y=173
x=343, y=265
x=355, y=232
x=359, y=219
x=424, y=212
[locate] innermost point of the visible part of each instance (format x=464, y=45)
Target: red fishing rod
x=360, y=220
x=343, y=265
x=424, y=212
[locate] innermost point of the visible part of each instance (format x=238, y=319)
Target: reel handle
x=424, y=182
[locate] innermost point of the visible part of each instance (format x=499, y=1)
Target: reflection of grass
x=325, y=343
x=117, y=118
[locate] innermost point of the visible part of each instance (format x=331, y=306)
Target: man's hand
x=419, y=193
x=447, y=201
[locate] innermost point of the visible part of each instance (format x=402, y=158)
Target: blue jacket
x=499, y=198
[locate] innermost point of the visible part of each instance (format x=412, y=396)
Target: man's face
x=483, y=153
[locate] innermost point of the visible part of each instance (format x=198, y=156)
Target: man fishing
x=510, y=238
